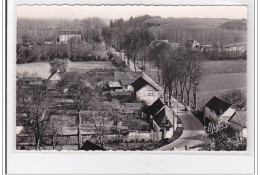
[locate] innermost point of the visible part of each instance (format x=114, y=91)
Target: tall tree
x=77, y=88
x=38, y=107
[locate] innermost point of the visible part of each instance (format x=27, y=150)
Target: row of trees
x=181, y=69
x=131, y=36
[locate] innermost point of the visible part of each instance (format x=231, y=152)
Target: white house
x=218, y=110
x=145, y=91
x=65, y=36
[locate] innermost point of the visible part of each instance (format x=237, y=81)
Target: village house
x=162, y=119
x=65, y=36
x=145, y=90
x=218, y=110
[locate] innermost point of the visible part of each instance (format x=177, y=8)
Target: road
x=192, y=127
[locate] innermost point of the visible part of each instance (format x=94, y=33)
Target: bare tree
x=77, y=88
x=38, y=108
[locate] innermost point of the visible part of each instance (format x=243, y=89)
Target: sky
x=115, y=12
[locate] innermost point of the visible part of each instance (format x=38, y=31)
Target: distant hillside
x=204, y=30
x=184, y=23
x=235, y=24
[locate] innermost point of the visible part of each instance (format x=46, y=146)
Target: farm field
x=43, y=69
x=220, y=76
x=227, y=66
x=216, y=82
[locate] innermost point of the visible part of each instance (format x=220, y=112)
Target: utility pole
x=204, y=124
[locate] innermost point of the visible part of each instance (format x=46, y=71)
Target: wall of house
x=227, y=114
x=65, y=38
x=148, y=94
x=169, y=133
x=157, y=133
x=211, y=115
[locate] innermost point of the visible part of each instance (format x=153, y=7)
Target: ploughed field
x=43, y=69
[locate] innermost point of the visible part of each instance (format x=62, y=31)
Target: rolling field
x=43, y=69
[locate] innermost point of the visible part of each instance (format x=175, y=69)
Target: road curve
x=192, y=129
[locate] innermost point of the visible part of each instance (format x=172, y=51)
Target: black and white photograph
x=131, y=78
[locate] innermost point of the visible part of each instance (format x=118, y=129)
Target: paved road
x=192, y=129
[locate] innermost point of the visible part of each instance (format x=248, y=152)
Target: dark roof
x=218, y=105
x=89, y=146
x=155, y=107
x=140, y=83
x=161, y=118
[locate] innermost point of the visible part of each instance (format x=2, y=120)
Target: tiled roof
x=218, y=106
x=155, y=107
x=160, y=116
x=143, y=81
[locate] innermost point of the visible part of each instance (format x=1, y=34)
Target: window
x=150, y=94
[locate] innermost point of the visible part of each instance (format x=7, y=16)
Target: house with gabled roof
x=146, y=90
x=162, y=119
x=218, y=110
x=65, y=36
